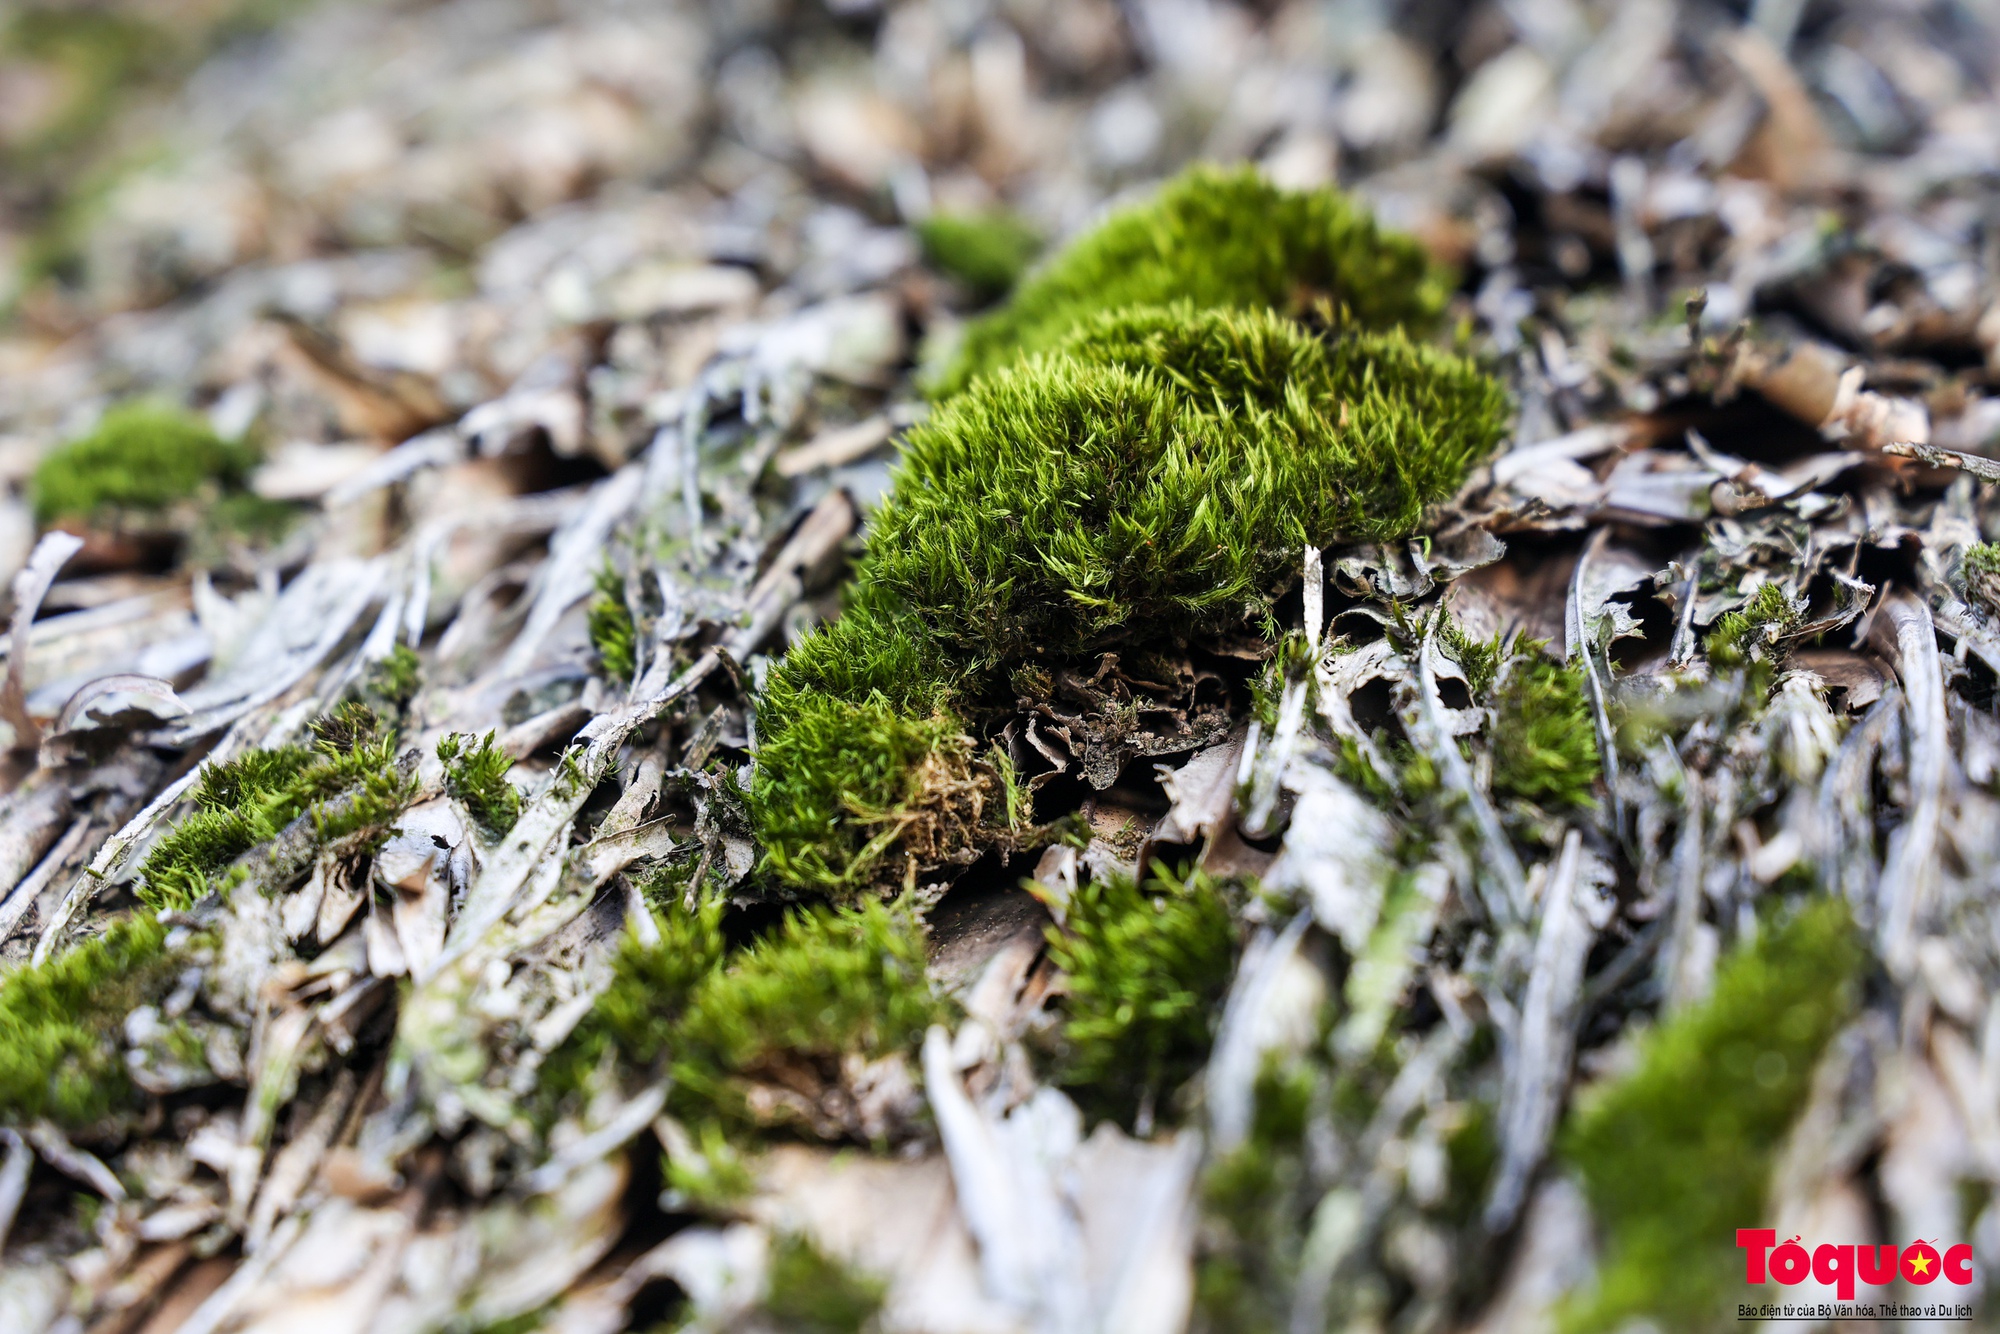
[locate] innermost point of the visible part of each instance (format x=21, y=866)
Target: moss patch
x=1758, y=631
x=1980, y=570
x=780, y=1016
x=612, y=632
x=827, y=986
x=61, y=1053
x=348, y=781
x=1676, y=1156
x=1162, y=469
x=1218, y=238
x=1145, y=970
x=1148, y=473
x=1544, y=742
x=142, y=457
x=812, y=1293
x=476, y=775
x=987, y=252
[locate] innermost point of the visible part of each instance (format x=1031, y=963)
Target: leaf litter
x=606, y=733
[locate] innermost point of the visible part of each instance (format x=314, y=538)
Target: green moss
x=141, y=457
x=828, y=984
x=1677, y=1155
x=1255, y=1201
x=1152, y=472
x=612, y=632
x=1163, y=468
x=851, y=795
x=1144, y=971
x=650, y=987
x=987, y=252
x=811, y=1293
x=1544, y=743
x=825, y=985
x=388, y=686
x=61, y=1054
x=716, y=1179
x=1980, y=569
x=1758, y=631
x=1217, y=238
x=348, y=781
x=477, y=776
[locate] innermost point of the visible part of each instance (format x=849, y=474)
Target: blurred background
x=382, y=214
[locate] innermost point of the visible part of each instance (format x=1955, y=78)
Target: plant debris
x=1034, y=668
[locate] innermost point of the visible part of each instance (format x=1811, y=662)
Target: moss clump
x=476, y=775
x=1980, y=569
x=612, y=632
x=1163, y=467
x=1758, y=631
x=1218, y=238
x=1255, y=1199
x=784, y=1013
x=1144, y=970
x=61, y=1056
x=638, y=1013
x=987, y=252
x=1543, y=740
x=827, y=986
x=1147, y=471
x=349, y=782
x=1677, y=1155
x=852, y=795
x=390, y=684
x=142, y=457
x=812, y=1293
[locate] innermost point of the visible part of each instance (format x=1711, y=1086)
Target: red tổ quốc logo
x=1841, y=1267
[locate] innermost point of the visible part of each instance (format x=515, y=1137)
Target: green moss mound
x=1162, y=469
x=475, y=773
x=1144, y=441
x=849, y=790
x=1677, y=1155
x=1155, y=477
x=829, y=984
x=348, y=781
x=812, y=1293
x=1216, y=238
x=61, y=1056
x=142, y=457
x=785, y=1011
x=1145, y=970
x=987, y=252
x=1544, y=741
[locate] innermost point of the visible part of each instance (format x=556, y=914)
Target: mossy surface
x=1161, y=470
x=1145, y=970
x=612, y=632
x=1980, y=570
x=348, y=781
x=1254, y=1197
x=1544, y=742
x=142, y=457
x=1146, y=475
x=1217, y=238
x=476, y=774
x=987, y=252
x=1677, y=1155
x=826, y=985
x=61, y=1052
x=861, y=779
x=812, y=1293
x=1758, y=631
